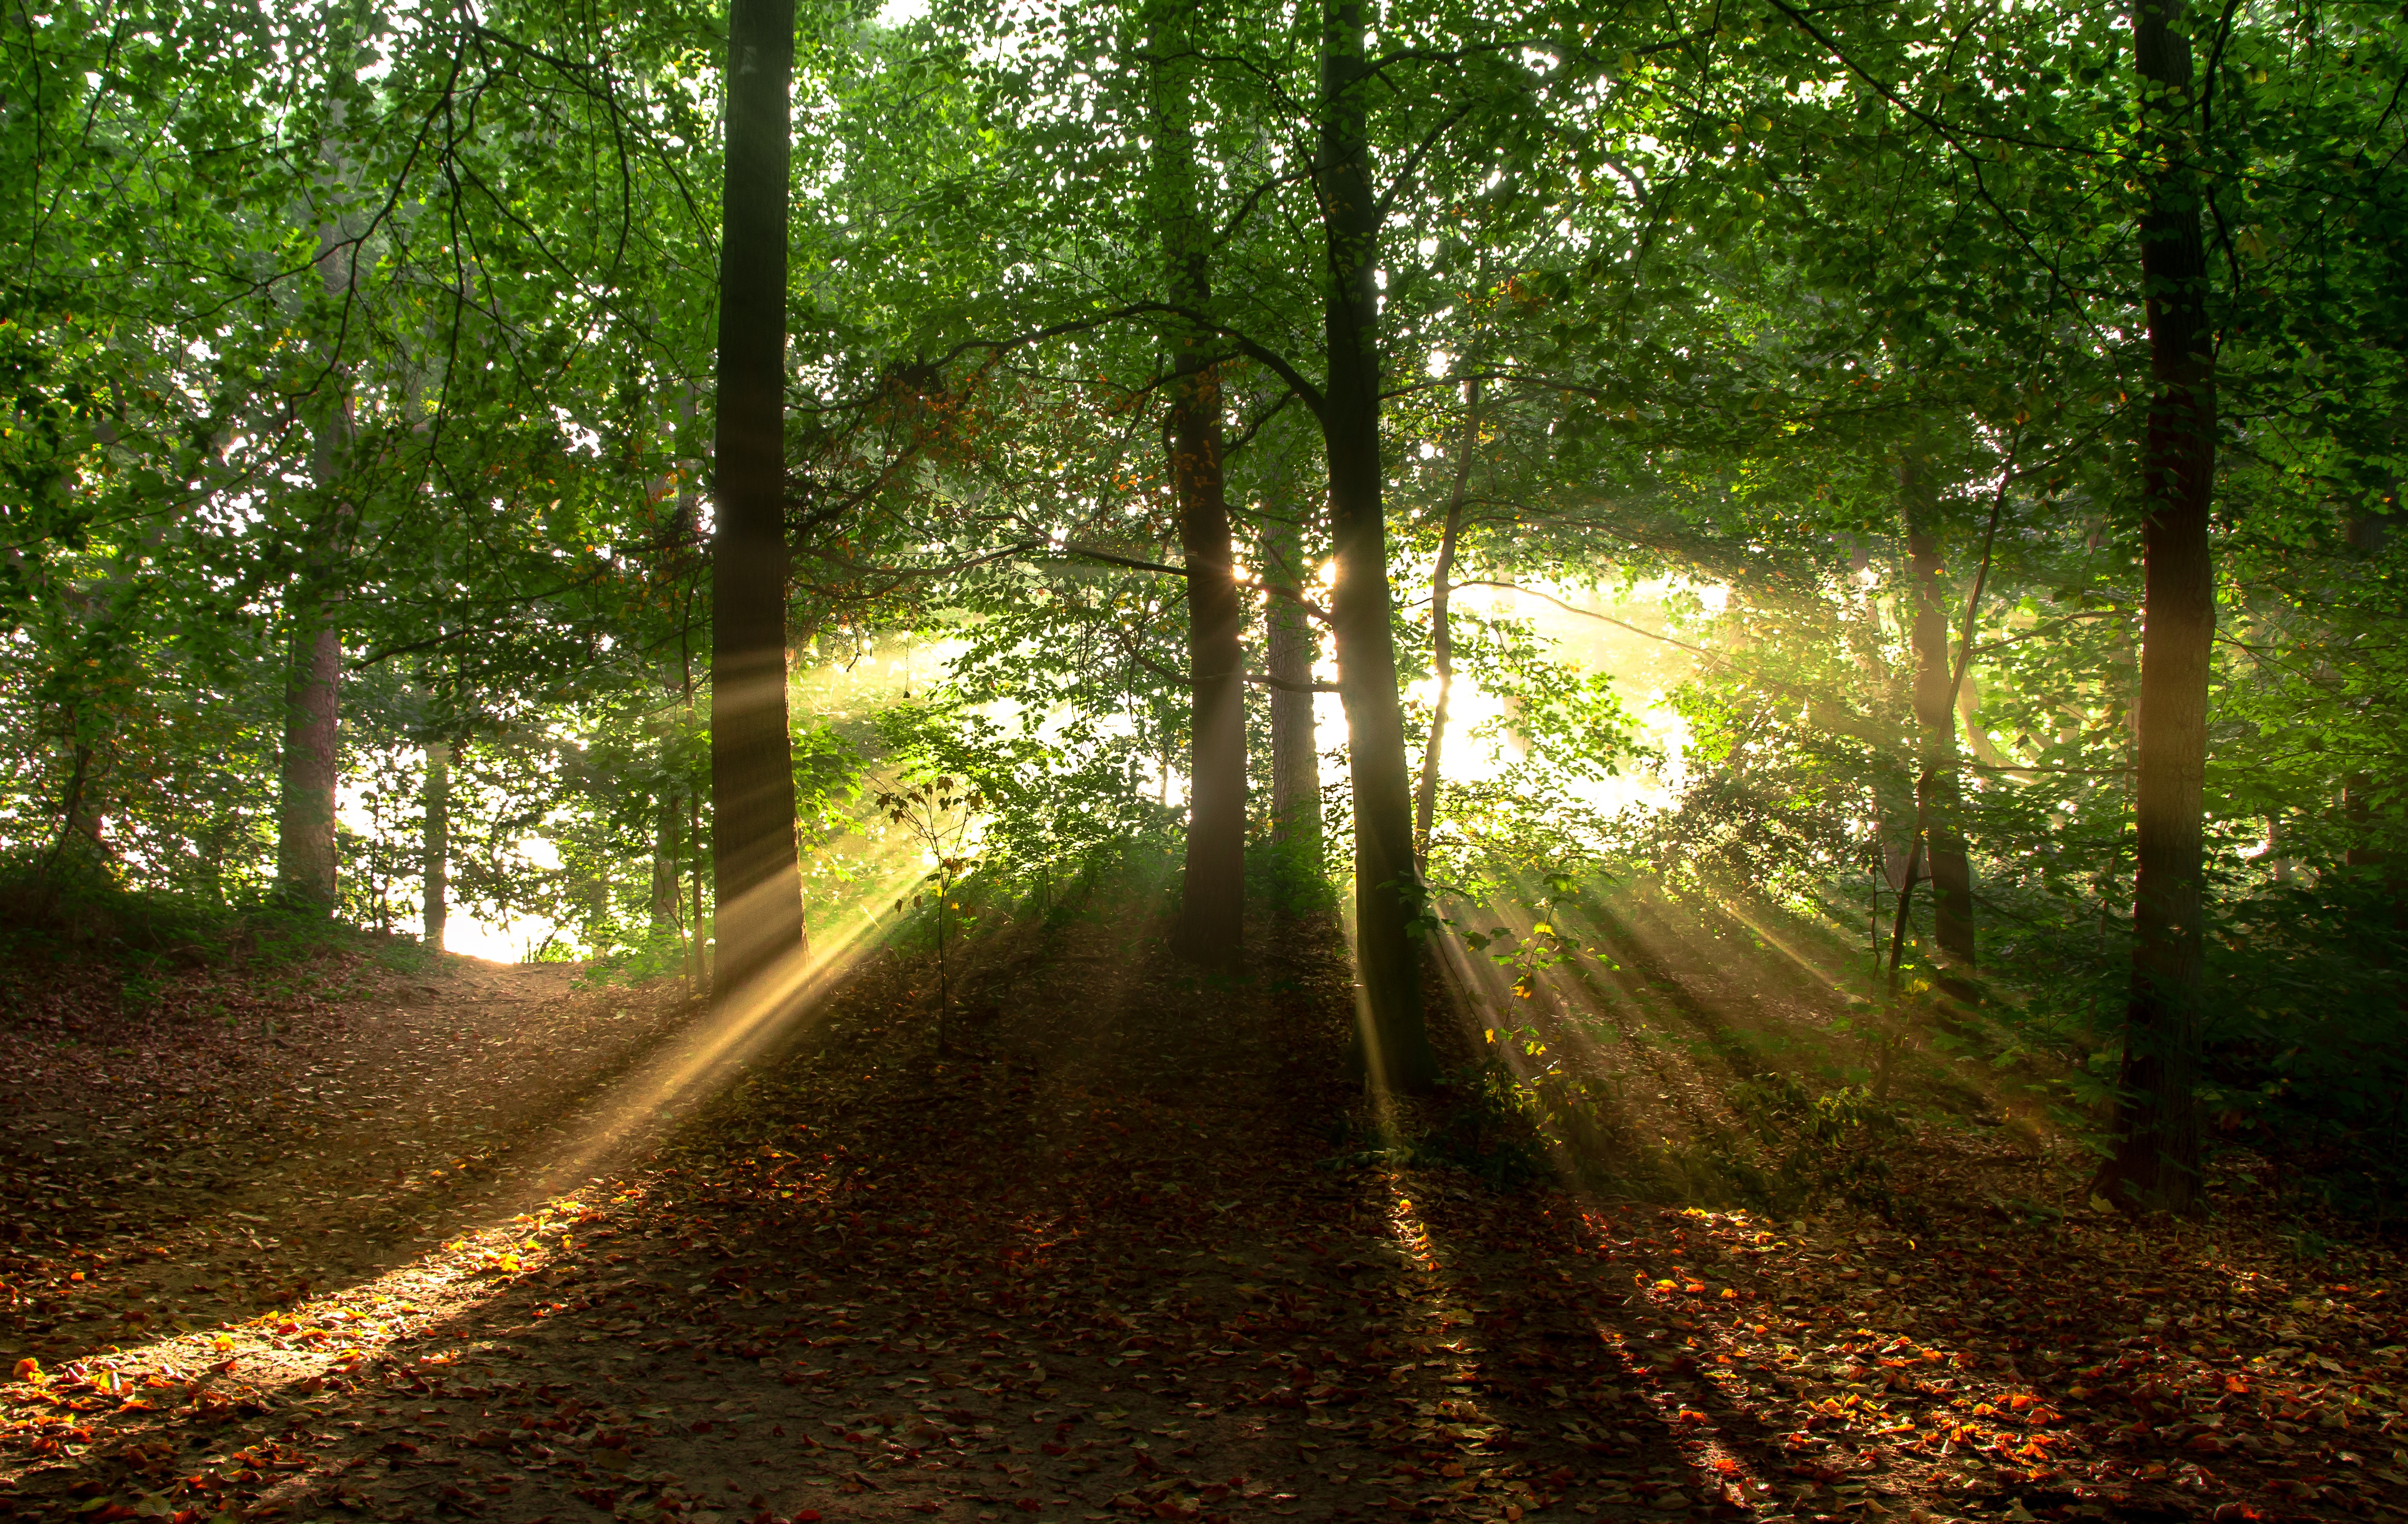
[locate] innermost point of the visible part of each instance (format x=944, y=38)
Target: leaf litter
x=1107, y=1267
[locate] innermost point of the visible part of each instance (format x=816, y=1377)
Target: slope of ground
x=1107, y=1262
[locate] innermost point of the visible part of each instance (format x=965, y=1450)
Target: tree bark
x=756, y=880
x=1388, y=894
x=2155, y=1165
x=1212, y=891
x=665, y=868
x=1939, y=801
x=1287, y=655
x=306, y=866
x=435, y=840
x=305, y=834
x=1441, y=629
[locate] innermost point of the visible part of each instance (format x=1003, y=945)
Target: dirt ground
x=486, y=1242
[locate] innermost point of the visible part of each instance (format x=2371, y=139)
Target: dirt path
x=171, y=1173
x=1107, y=1265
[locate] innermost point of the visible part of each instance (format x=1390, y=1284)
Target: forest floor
x=357, y=1242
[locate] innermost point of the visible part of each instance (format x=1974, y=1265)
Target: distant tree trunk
x=2277, y=863
x=664, y=867
x=1388, y=896
x=2157, y=1125
x=436, y=869
x=1442, y=630
x=71, y=815
x=698, y=956
x=1213, y=894
x=1287, y=656
x=756, y=881
x=1938, y=791
x=1893, y=806
x=2357, y=810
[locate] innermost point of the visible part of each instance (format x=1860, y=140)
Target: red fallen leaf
x=1560, y=1476
x=922, y=1507
x=701, y=1426
x=1052, y=1448
x=1026, y=1505
x=807, y=1516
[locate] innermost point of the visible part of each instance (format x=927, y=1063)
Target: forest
x=1203, y=760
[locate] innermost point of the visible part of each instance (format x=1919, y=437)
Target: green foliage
x=1488, y=1128
x=1797, y=1150
x=390, y=316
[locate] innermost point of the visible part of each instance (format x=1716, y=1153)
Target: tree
x=1442, y=630
x=305, y=865
x=2156, y=1126
x=1288, y=651
x=1213, y=892
x=756, y=881
x=435, y=844
x=1388, y=891
x=1938, y=793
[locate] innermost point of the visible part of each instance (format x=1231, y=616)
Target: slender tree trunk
x=664, y=867
x=1893, y=805
x=70, y=816
x=1441, y=629
x=1388, y=896
x=697, y=955
x=1938, y=791
x=1287, y=656
x=436, y=869
x=2157, y=1125
x=1213, y=893
x=756, y=881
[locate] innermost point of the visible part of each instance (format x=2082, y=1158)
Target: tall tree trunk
x=1213, y=892
x=1441, y=629
x=435, y=867
x=756, y=881
x=1939, y=801
x=2156, y=1126
x=1287, y=656
x=1388, y=895
x=311, y=764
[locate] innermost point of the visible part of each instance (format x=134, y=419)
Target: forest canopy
x=714, y=486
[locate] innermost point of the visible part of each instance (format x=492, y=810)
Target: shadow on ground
x=1104, y=1263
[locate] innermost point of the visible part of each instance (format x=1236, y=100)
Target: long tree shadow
x=1104, y=1263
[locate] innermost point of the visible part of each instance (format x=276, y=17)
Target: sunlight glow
x=334, y=1332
